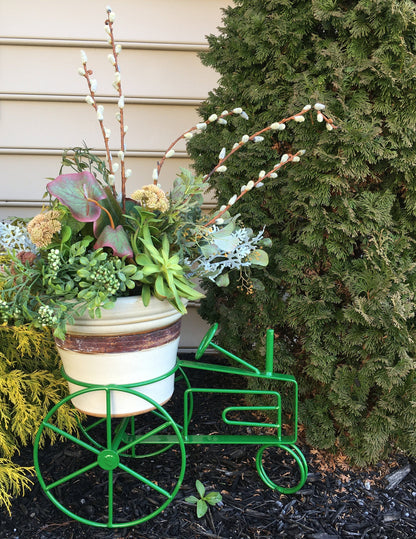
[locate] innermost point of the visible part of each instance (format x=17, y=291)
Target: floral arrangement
x=93, y=243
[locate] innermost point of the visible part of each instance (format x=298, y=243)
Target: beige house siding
x=42, y=108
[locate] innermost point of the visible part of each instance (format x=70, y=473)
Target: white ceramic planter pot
x=129, y=344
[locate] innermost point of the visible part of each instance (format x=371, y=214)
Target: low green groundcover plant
x=205, y=499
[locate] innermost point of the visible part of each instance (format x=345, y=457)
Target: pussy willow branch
x=87, y=73
x=228, y=206
x=258, y=133
x=110, y=23
x=290, y=158
x=183, y=136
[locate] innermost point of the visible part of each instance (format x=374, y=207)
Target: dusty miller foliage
x=340, y=285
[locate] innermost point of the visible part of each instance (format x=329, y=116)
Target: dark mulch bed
x=336, y=501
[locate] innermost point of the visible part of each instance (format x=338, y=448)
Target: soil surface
x=336, y=500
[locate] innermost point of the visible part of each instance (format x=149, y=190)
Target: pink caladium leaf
x=115, y=238
x=77, y=192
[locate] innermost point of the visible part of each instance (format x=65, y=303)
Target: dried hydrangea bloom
x=43, y=226
x=151, y=197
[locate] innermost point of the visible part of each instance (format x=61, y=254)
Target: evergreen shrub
x=339, y=290
x=30, y=384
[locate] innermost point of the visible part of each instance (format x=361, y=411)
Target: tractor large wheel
x=96, y=482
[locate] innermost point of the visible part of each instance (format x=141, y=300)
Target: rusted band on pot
x=111, y=344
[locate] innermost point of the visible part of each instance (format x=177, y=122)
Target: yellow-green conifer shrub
x=30, y=384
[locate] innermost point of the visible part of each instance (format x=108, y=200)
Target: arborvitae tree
x=30, y=384
x=340, y=287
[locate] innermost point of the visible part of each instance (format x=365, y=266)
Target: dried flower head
x=151, y=197
x=26, y=257
x=43, y=226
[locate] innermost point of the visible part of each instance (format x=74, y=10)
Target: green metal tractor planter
x=113, y=448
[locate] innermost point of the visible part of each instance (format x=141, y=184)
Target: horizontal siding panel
x=13, y=210
x=156, y=20
x=30, y=172
x=171, y=75
x=27, y=175
x=99, y=44
x=53, y=125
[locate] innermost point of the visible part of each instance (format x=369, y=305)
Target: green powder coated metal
x=122, y=441
x=300, y=460
x=108, y=459
x=121, y=386
x=260, y=424
x=114, y=454
x=269, y=352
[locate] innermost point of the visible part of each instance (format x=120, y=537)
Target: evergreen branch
x=13, y=482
